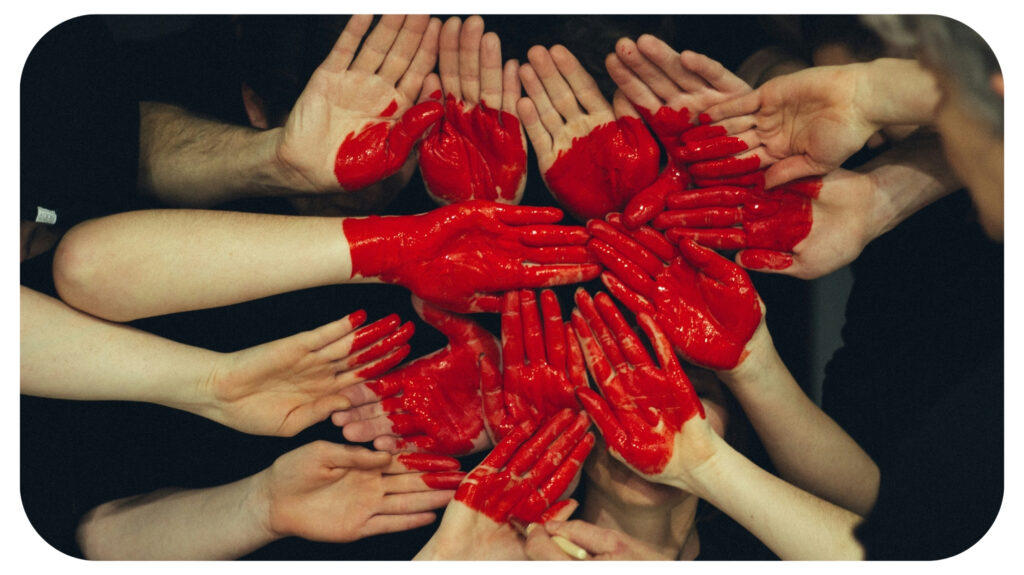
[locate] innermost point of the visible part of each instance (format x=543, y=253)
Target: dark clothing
x=918, y=381
x=80, y=126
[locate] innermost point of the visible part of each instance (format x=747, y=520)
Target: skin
x=320, y=491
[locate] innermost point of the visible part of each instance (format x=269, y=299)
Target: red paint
x=530, y=469
x=433, y=402
x=464, y=256
x=390, y=110
x=724, y=167
x=649, y=202
x=475, y=153
x=444, y=480
x=384, y=345
x=602, y=171
x=643, y=404
x=380, y=148
x=442, y=470
x=746, y=218
x=541, y=366
x=705, y=303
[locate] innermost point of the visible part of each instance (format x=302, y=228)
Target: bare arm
x=153, y=262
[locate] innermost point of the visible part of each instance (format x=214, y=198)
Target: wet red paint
x=530, y=469
x=768, y=224
x=464, y=256
x=442, y=471
x=542, y=364
x=474, y=153
x=603, y=170
x=706, y=304
x=380, y=148
x=643, y=404
x=433, y=402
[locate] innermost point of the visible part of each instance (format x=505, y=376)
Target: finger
x=626, y=245
x=590, y=537
x=554, y=235
x=419, y=482
x=583, y=87
x=431, y=89
x=512, y=344
x=345, y=47
x=631, y=346
x=533, y=334
x=550, y=275
x=651, y=201
x=366, y=337
x=742, y=105
x=302, y=416
x=629, y=84
x=379, y=348
x=415, y=80
x=603, y=417
x=719, y=239
x=526, y=215
x=625, y=271
x=404, y=503
x=560, y=511
x=565, y=471
x=576, y=366
x=406, y=462
x=372, y=370
x=557, y=255
x=650, y=73
x=360, y=394
x=713, y=148
x=623, y=108
x=716, y=196
x=559, y=93
x=503, y=452
x=511, y=88
x=381, y=524
x=491, y=72
x=713, y=217
x=400, y=56
x=712, y=265
x=540, y=546
x=457, y=328
x=448, y=57
x=725, y=167
x=550, y=118
x=469, y=58
x=540, y=449
x=554, y=331
x=768, y=261
x=662, y=347
x=599, y=344
x=540, y=137
x=350, y=456
x=713, y=72
x=377, y=45
x=366, y=430
x=329, y=333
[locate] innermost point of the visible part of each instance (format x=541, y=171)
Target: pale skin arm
x=811, y=121
x=320, y=491
x=807, y=448
x=128, y=266
x=277, y=388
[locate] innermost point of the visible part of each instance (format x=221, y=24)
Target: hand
x=463, y=257
x=806, y=229
x=706, y=304
x=283, y=387
x=355, y=124
x=807, y=123
x=600, y=543
x=478, y=149
x=766, y=224
x=519, y=481
x=593, y=156
x=431, y=404
x=642, y=405
x=542, y=365
x=670, y=90
x=323, y=491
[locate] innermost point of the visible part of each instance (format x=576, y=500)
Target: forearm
x=222, y=522
x=908, y=177
x=188, y=161
x=807, y=448
x=70, y=355
x=153, y=262
x=794, y=524
x=895, y=91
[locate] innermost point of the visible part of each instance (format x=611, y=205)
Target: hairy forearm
x=807, y=447
x=188, y=161
x=67, y=354
x=153, y=262
x=222, y=522
x=791, y=522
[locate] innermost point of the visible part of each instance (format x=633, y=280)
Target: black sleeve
x=80, y=126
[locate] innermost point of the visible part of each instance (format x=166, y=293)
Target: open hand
x=431, y=404
x=478, y=149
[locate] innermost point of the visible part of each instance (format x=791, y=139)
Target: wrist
x=260, y=509
x=897, y=91
x=759, y=356
x=378, y=245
